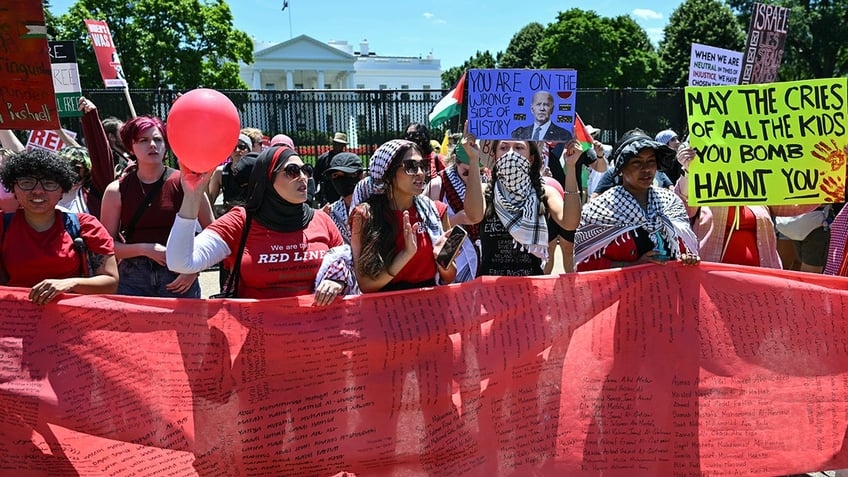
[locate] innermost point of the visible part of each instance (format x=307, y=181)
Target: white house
x=306, y=63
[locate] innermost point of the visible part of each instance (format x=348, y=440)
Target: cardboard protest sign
x=711, y=66
x=66, y=79
x=44, y=139
x=527, y=105
x=769, y=144
x=26, y=88
x=764, y=47
x=107, y=56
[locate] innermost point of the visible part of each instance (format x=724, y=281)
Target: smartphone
x=451, y=247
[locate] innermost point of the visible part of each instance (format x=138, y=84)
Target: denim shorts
x=141, y=276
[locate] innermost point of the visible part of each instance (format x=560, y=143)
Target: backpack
x=72, y=226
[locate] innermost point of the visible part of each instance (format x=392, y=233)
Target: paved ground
x=209, y=278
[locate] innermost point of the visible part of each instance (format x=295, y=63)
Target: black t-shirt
x=499, y=254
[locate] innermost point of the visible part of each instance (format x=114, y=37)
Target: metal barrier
x=371, y=117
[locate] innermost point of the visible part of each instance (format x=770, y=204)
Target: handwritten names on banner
x=26, y=87
x=505, y=104
x=711, y=66
x=765, y=43
x=567, y=375
x=778, y=143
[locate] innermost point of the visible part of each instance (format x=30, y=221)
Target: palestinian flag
x=449, y=106
x=581, y=134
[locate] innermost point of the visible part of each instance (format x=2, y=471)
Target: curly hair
x=380, y=229
x=38, y=163
x=535, y=180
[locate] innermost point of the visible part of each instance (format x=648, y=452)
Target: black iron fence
x=370, y=117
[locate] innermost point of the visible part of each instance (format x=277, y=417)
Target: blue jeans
x=141, y=276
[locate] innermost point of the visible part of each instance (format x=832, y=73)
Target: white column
x=257, y=79
x=350, y=84
x=289, y=80
x=320, y=79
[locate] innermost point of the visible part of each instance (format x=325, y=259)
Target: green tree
x=606, y=52
x=520, y=51
x=708, y=22
x=483, y=60
x=816, y=40
x=184, y=43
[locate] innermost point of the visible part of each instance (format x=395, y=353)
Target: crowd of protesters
x=111, y=217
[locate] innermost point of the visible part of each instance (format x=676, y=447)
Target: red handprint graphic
x=833, y=185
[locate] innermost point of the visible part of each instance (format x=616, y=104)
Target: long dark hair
x=535, y=180
x=380, y=229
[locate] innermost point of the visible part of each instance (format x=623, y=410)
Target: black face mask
x=345, y=185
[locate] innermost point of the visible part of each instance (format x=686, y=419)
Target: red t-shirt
x=422, y=267
x=742, y=249
x=277, y=264
x=30, y=256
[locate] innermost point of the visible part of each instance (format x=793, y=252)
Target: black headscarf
x=632, y=145
x=263, y=201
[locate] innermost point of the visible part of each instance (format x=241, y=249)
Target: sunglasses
x=29, y=183
x=412, y=167
x=242, y=147
x=293, y=170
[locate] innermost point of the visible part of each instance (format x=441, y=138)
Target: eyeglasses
x=293, y=170
x=242, y=147
x=411, y=167
x=29, y=183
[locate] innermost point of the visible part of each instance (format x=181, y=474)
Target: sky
x=451, y=30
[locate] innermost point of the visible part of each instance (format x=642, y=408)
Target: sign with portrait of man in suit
x=527, y=105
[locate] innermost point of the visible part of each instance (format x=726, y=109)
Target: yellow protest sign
x=768, y=144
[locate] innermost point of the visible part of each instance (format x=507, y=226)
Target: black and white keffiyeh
x=338, y=212
x=456, y=180
x=517, y=205
x=616, y=213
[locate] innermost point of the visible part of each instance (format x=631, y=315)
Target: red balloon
x=553, y=183
x=203, y=128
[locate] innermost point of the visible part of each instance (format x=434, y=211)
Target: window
x=360, y=86
x=270, y=86
x=383, y=86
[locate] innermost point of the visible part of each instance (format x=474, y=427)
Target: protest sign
x=768, y=144
x=527, y=105
x=66, y=79
x=107, y=55
x=26, y=88
x=44, y=139
x=764, y=46
x=649, y=370
x=711, y=66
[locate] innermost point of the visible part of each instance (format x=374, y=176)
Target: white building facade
x=306, y=63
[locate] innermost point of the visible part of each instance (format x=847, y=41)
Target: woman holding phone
x=397, y=232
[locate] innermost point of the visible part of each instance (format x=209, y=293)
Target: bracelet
x=570, y=192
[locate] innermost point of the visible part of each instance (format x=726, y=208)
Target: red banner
x=652, y=370
x=107, y=56
x=26, y=82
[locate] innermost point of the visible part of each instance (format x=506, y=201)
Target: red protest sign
x=26, y=85
x=49, y=140
x=107, y=56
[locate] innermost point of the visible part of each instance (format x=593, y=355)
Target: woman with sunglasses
x=37, y=249
x=396, y=231
x=285, y=241
x=139, y=209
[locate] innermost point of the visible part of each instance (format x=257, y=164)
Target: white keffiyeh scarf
x=616, y=213
x=517, y=205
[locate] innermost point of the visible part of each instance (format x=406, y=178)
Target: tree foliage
x=184, y=43
x=816, y=40
x=708, y=22
x=606, y=52
x=522, y=47
x=483, y=60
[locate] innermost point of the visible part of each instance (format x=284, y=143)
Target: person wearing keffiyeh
x=396, y=232
x=513, y=234
x=635, y=222
x=460, y=186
